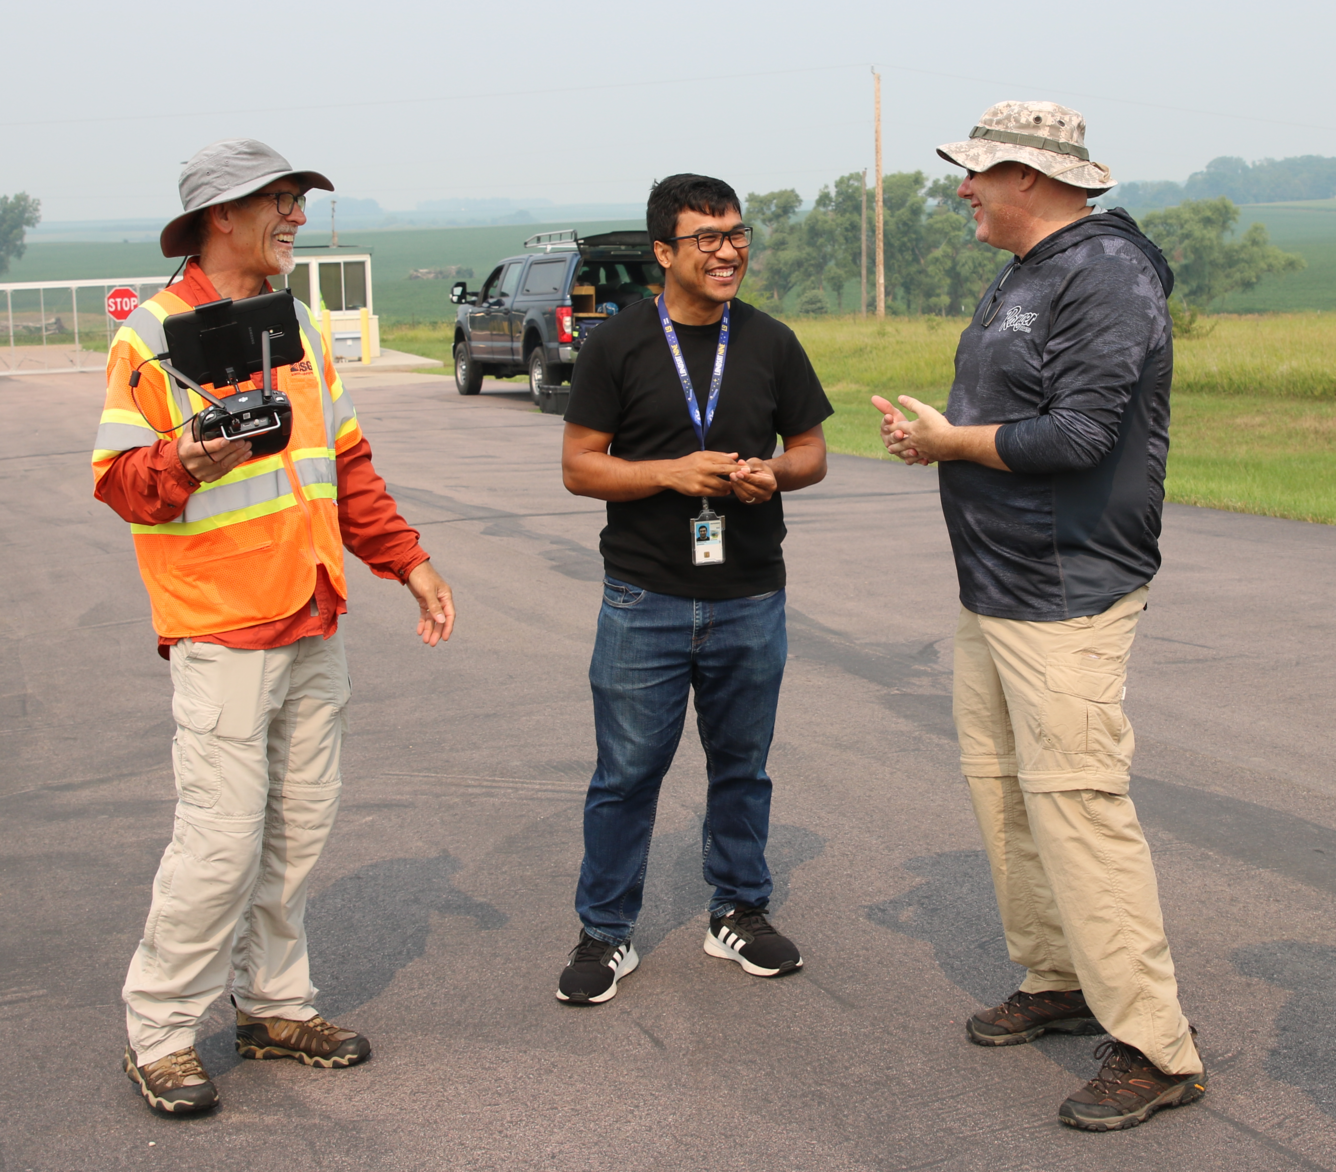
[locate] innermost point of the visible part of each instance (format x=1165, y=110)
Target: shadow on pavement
x=365, y=928
x=676, y=893
x=1304, y=1055
x=955, y=911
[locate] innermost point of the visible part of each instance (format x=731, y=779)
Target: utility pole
x=881, y=211
x=333, y=231
x=862, y=301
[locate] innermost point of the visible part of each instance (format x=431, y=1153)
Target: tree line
x=933, y=263
x=1265, y=181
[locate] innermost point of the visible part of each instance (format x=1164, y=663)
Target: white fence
x=62, y=325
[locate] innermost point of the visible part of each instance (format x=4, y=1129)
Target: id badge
x=707, y=540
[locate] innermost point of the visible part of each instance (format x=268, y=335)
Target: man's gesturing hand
x=703, y=473
x=436, y=604
x=932, y=437
x=893, y=433
x=212, y=459
x=754, y=481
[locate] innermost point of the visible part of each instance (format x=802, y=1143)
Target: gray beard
x=286, y=266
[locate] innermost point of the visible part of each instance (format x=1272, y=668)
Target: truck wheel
x=538, y=375
x=468, y=374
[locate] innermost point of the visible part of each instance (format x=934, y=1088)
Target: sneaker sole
x=159, y=1104
x=248, y=1049
x=1177, y=1096
x=629, y=964
x=1070, y=1025
x=716, y=947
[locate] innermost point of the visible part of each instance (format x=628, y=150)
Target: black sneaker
x=175, y=1085
x=746, y=936
x=1128, y=1090
x=1022, y=1017
x=591, y=975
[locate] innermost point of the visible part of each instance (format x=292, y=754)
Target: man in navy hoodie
x=1052, y=457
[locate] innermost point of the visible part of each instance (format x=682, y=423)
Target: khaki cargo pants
x=256, y=756
x=1047, y=752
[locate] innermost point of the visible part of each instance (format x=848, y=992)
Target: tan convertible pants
x=256, y=755
x=1047, y=752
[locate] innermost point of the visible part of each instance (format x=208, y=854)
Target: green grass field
x=1254, y=403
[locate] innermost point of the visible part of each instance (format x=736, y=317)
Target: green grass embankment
x=1254, y=402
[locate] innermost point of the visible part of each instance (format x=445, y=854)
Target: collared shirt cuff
x=178, y=483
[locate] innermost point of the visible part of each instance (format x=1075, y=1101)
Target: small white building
x=343, y=280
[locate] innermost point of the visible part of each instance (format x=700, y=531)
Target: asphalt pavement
x=442, y=909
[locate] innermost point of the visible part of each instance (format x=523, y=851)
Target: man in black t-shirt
x=674, y=410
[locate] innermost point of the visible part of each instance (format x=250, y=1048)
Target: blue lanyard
x=716, y=379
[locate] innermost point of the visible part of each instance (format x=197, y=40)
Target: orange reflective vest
x=246, y=547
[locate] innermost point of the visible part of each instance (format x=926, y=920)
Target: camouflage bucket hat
x=1043, y=135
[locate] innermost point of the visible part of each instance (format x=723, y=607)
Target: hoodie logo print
x=1017, y=319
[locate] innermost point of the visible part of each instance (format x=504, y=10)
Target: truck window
x=545, y=278
x=622, y=282
x=511, y=280
x=489, y=285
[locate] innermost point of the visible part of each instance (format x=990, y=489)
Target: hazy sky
x=404, y=101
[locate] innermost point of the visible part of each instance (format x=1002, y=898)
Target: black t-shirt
x=625, y=383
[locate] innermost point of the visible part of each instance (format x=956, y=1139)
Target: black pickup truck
x=533, y=311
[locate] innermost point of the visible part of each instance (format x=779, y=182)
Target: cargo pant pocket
x=196, y=756
x=1085, y=706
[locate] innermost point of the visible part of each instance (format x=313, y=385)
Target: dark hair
x=670, y=197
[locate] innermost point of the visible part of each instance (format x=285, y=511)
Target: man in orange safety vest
x=242, y=556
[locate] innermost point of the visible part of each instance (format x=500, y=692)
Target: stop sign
x=122, y=302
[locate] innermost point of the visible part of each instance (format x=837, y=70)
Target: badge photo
x=707, y=541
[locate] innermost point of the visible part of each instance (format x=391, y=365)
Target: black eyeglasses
x=739, y=238
x=285, y=201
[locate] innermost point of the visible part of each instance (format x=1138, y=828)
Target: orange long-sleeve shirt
x=150, y=486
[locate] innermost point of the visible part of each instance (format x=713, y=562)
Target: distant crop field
x=394, y=254
x=1308, y=229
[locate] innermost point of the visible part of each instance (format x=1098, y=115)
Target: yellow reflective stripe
x=119, y=415
x=101, y=454
x=336, y=391
x=346, y=427
x=312, y=453
x=246, y=471
x=221, y=521
x=157, y=310
x=322, y=491
x=132, y=339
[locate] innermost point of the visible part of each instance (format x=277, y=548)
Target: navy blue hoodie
x=1071, y=350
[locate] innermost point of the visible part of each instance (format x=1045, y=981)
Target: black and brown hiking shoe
x=1128, y=1090
x=175, y=1085
x=314, y=1042
x=1024, y=1016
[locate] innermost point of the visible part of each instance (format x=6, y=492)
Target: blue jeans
x=651, y=648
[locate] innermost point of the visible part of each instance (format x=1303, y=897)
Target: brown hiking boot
x=1128, y=1090
x=1024, y=1016
x=175, y=1085
x=315, y=1042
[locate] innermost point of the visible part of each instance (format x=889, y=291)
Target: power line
x=655, y=84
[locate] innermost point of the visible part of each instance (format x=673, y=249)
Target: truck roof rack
x=562, y=241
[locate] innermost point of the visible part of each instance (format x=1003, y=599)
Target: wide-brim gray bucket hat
x=1043, y=135
x=223, y=171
